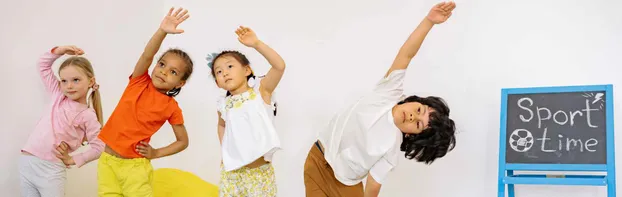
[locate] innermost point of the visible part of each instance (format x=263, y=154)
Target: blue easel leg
x=611, y=186
x=501, y=188
x=510, y=186
x=500, y=184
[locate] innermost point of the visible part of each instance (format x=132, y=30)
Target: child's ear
x=181, y=84
x=92, y=82
x=248, y=70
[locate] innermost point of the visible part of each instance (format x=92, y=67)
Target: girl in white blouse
x=245, y=127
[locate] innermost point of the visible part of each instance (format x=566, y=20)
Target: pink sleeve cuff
x=79, y=160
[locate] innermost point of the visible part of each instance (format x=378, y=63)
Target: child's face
x=412, y=117
x=230, y=74
x=75, y=83
x=168, y=72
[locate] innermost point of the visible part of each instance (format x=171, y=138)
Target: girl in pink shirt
x=67, y=122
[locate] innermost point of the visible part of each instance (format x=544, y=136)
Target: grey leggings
x=41, y=178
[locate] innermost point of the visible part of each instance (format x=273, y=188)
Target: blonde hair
x=85, y=65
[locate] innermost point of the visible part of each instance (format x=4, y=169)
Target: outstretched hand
x=247, y=36
x=68, y=50
x=173, y=19
x=441, y=12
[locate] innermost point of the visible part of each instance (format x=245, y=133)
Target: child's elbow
x=184, y=144
x=281, y=67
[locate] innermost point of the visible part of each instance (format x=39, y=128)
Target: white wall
x=332, y=48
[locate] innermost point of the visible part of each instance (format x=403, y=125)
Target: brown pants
x=320, y=179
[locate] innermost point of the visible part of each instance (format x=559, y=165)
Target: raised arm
x=168, y=26
x=439, y=14
x=45, y=66
x=248, y=37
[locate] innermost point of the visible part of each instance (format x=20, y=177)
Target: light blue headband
x=210, y=59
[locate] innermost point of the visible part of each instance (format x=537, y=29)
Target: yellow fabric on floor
x=168, y=182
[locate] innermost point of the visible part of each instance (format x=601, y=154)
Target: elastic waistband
x=264, y=167
x=110, y=158
x=38, y=160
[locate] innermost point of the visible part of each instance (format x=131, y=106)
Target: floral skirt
x=248, y=182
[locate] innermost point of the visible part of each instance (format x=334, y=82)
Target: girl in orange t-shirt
x=148, y=101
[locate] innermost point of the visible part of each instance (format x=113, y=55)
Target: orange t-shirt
x=140, y=113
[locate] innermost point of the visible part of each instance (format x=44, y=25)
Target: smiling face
x=412, y=117
x=75, y=83
x=169, y=72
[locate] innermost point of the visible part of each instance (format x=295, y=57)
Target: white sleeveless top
x=249, y=128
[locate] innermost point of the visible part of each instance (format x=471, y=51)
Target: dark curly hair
x=436, y=140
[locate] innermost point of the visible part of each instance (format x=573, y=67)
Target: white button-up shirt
x=363, y=139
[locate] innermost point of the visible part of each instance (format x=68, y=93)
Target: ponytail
x=95, y=99
x=97, y=105
x=173, y=92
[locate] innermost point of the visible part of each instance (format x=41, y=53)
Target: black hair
x=189, y=67
x=435, y=141
x=240, y=58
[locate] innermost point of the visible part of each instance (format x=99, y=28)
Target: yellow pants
x=117, y=177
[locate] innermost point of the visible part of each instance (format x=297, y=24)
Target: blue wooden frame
x=506, y=170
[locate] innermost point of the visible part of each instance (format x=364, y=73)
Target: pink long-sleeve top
x=63, y=120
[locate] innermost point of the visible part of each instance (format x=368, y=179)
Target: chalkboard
x=556, y=128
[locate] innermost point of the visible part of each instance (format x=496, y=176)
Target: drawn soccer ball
x=521, y=140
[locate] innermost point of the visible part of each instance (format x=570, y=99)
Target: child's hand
x=247, y=36
x=441, y=12
x=171, y=20
x=62, y=152
x=68, y=50
x=146, y=150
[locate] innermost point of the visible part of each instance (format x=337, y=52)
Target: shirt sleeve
x=144, y=78
x=177, y=117
x=392, y=86
x=221, y=104
x=381, y=169
x=47, y=75
x=92, y=127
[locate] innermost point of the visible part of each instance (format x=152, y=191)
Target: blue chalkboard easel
x=507, y=177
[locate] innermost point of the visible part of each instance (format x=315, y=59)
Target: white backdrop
x=335, y=51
